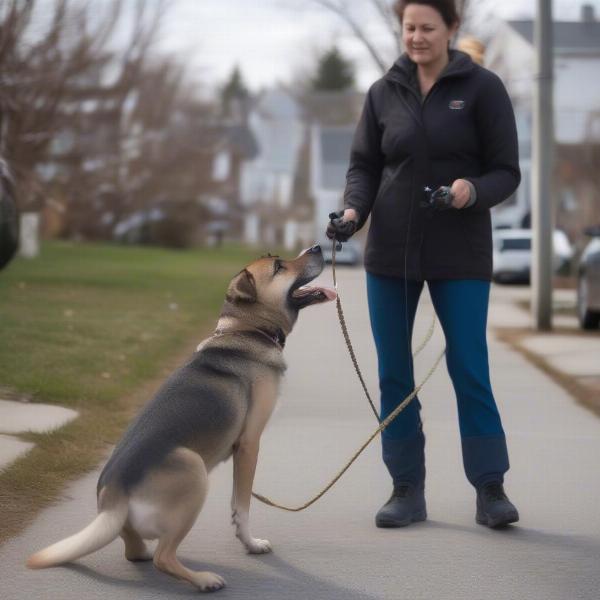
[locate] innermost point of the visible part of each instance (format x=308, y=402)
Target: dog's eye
x=278, y=266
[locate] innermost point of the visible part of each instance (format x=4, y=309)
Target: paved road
x=333, y=551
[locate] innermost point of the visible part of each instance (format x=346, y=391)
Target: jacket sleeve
x=366, y=163
x=498, y=137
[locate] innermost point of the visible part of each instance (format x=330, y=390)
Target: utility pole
x=543, y=153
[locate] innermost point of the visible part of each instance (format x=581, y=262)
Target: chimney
x=588, y=14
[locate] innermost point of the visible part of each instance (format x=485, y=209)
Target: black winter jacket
x=463, y=129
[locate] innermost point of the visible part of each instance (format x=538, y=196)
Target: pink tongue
x=329, y=293
x=308, y=290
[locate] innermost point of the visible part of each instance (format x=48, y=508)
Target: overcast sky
x=273, y=39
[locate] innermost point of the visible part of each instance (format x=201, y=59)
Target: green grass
x=96, y=328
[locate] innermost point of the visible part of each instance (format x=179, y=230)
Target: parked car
x=350, y=254
x=136, y=228
x=588, y=282
x=512, y=254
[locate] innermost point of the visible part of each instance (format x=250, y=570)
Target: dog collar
x=278, y=338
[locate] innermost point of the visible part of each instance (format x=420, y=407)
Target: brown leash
x=382, y=424
x=342, y=319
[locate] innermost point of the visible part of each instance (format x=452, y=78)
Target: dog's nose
x=316, y=249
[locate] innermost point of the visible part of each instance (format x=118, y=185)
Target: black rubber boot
x=494, y=509
x=405, y=506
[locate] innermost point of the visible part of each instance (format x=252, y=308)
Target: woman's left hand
x=461, y=193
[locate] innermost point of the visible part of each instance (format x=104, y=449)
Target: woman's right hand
x=342, y=225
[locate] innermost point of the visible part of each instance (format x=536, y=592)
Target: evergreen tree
x=334, y=72
x=234, y=89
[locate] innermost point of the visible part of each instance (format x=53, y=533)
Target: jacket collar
x=404, y=69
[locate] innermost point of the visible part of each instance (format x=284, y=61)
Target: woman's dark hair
x=446, y=8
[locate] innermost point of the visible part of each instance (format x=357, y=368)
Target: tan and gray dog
x=218, y=404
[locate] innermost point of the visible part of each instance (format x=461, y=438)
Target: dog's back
x=202, y=406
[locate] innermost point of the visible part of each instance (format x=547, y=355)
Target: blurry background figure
x=9, y=221
x=473, y=47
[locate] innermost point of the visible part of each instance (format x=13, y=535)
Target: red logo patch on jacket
x=456, y=104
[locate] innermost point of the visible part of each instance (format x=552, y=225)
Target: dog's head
x=275, y=289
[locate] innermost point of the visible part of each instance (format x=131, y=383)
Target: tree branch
x=342, y=10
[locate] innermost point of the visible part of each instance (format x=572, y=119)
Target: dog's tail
x=100, y=532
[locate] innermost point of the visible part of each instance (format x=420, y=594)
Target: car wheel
x=588, y=319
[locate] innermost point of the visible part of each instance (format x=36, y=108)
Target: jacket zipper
x=419, y=119
x=420, y=122
x=420, y=248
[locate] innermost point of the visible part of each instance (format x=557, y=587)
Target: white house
x=511, y=54
x=266, y=181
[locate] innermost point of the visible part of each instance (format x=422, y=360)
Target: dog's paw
x=141, y=556
x=258, y=546
x=206, y=581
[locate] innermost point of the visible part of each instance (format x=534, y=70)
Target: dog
x=216, y=406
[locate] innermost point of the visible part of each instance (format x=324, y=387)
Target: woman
x=435, y=119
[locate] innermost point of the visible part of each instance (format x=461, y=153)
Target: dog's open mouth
x=306, y=294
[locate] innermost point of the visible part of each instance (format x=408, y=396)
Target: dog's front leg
x=245, y=456
x=244, y=466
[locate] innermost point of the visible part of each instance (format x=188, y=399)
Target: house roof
x=568, y=35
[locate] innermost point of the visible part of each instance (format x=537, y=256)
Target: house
x=511, y=54
x=267, y=179
x=331, y=119
x=297, y=176
x=235, y=148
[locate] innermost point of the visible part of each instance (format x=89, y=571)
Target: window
x=516, y=244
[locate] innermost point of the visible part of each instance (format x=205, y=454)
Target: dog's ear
x=242, y=288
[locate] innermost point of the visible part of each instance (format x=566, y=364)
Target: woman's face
x=425, y=34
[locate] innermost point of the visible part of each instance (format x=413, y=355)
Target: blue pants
x=461, y=306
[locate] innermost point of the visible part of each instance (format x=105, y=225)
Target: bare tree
x=100, y=130
x=344, y=11
x=43, y=77
x=352, y=15
x=34, y=80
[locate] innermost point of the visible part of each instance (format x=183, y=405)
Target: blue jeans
x=461, y=307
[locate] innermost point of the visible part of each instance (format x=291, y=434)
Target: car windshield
x=516, y=244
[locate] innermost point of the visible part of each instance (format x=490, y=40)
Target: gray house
x=267, y=180
x=297, y=176
x=330, y=152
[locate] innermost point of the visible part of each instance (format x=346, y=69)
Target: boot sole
x=390, y=523
x=498, y=522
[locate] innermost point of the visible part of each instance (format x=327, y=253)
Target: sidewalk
x=19, y=417
x=568, y=353
x=332, y=551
